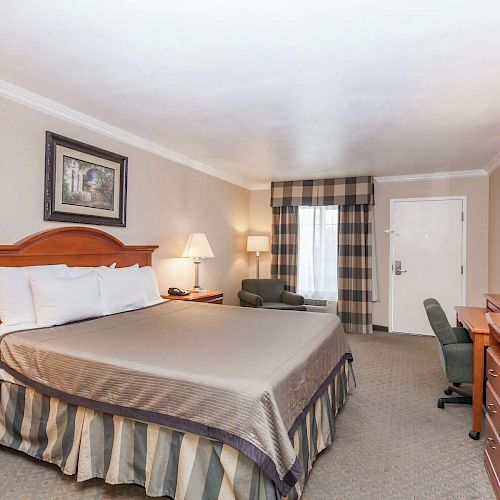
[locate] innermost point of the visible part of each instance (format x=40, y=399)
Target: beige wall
x=494, y=246
x=166, y=201
x=476, y=191
x=260, y=224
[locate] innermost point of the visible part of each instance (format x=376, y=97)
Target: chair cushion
x=461, y=335
x=283, y=306
x=458, y=360
x=439, y=323
x=270, y=290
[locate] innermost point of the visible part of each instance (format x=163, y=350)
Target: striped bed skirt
x=167, y=462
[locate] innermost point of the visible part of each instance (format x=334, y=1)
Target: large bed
x=188, y=400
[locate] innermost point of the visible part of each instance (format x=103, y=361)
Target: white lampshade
x=197, y=246
x=258, y=244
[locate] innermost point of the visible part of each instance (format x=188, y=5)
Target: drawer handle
x=491, y=407
x=492, y=372
x=490, y=442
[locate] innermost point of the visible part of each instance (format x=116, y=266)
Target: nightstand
x=210, y=296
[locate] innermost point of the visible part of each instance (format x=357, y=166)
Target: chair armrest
x=458, y=362
x=294, y=299
x=462, y=335
x=250, y=298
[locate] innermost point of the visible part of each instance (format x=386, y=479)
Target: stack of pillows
x=58, y=294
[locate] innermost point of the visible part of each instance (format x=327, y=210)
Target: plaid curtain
x=323, y=192
x=284, y=245
x=355, y=267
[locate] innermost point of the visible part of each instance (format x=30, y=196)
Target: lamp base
x=197, y=289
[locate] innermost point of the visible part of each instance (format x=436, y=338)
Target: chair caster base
x=474, y=435
x=460, y=400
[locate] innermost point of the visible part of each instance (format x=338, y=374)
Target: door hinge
x=462, y=216
x=461, y=269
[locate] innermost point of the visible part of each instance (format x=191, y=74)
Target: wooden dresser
x=493, y=302
x=492, y=423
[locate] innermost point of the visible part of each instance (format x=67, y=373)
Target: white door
x=427, y=260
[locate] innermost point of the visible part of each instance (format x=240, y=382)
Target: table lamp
x=197, y=248
x=258, y=244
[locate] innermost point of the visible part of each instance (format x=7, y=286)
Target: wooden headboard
x=74, y=246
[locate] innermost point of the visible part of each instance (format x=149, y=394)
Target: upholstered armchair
x=269, y=294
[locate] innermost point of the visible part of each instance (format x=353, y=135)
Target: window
x=317, y=252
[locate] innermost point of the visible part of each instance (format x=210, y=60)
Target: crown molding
x=260, y=187
x=53, y=108
x=493, y=164
x=412, y=177
x=458, y=174
x=40, y=103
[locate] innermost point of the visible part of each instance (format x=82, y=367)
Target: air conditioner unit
x=331, y=306
x=321, y=305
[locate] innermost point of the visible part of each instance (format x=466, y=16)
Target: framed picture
x=84, y=184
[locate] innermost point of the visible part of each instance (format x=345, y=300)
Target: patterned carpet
x=392, y=441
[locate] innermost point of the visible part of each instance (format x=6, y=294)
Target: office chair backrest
x=439, y=322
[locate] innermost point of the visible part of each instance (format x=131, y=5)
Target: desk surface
x=474, y=318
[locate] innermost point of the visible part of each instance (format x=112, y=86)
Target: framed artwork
x=84, y=184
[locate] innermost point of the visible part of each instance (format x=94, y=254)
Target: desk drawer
x=492, y=446
x=493, y=368
x=493, y=407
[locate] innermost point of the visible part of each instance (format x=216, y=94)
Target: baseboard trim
x=379, y=328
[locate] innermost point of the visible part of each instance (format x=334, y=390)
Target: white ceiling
x=263, y=90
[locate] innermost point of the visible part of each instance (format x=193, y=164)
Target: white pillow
x=150, y=284
x=62, y=300
x=76, y=271
x=16, y=299
x=121, y=289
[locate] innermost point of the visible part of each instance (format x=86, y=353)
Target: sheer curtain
x=317, y=252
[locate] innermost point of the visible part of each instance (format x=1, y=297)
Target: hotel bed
x=189, y=400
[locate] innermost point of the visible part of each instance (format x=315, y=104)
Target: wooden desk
x=474, y=320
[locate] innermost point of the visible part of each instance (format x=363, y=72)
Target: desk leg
x=478, y=387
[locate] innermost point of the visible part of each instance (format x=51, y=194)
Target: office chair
x=455, y=352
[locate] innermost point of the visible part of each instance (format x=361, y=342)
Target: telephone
x=177, y=291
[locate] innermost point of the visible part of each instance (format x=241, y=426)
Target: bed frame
x=74, y=246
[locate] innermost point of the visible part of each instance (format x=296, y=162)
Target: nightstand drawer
x=215, y=300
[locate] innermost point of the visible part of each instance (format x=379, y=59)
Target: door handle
x=397, y=268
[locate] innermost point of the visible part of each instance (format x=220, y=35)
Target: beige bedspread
x=239, y=375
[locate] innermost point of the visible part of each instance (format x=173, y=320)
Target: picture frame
x=84, y=184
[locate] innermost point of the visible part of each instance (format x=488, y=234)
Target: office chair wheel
x=441, y=404
x=474, y=435
x=448, y=391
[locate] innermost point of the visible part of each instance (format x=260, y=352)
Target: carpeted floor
x=391, y=442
